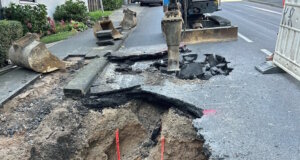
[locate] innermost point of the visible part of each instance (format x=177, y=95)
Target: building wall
x=51, y=4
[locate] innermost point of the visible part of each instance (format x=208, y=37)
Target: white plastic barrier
x=287, y=51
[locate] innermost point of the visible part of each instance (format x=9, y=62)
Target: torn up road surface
x=249, y=115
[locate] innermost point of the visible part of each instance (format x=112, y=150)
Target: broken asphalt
x=251, y=116
x=83, y=44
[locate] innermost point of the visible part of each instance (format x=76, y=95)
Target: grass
x=57, y=37
x=96, y=15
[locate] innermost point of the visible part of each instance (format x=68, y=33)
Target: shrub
x=51, y=26
x=112, y=4
x=73, y=25
x=33, y=18
x=79, y=26
x=96, y=15
x=9, y=32
x=71, y=11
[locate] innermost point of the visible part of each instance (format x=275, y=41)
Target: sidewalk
x=275, y=3
x=78, y=45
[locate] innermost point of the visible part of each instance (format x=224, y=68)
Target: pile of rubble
x=190, y=68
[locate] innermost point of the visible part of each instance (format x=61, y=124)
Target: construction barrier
x=287, y=51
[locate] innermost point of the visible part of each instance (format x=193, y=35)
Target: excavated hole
x=142, y=118
x=141, y=125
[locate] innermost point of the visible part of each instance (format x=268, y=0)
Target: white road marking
x=266, y=52
x=262, y=9
x=245, y=38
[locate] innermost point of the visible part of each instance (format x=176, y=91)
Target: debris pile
x=47, y=126
x=190, y=68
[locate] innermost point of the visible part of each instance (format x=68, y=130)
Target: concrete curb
x=11, y=94
x=7, y=69
x=82, y=82
x=266, y=3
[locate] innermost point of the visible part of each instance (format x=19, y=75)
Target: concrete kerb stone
x=82, y=82
x=10, y=94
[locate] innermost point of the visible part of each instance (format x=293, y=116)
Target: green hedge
x=33, y=18
x=110, y=5
x=9, y=32
x=71, y=10
x=96, y=15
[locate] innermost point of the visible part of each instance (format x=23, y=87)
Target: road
x=257, y=116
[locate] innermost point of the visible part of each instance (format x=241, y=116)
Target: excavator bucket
x=29, y=52
x=105, y=29
x=129, y=19
x=214, y=34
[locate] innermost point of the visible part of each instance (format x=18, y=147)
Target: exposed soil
x=40, y=123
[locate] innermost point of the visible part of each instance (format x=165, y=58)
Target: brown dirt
x=40, y=123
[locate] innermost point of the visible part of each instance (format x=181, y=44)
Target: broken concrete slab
x=82, y=82
x=269, y=67
x=14, y=81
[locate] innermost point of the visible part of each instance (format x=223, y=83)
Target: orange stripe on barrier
x=162, y=147
x=118, y=144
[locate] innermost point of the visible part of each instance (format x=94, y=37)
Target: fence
x=287, y=51
x=94, y=5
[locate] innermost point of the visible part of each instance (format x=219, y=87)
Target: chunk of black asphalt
x=191, y=71
x=190, y=58
x=119, y=97
x=140, y=57
x=184, y=49
x=136, y=58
